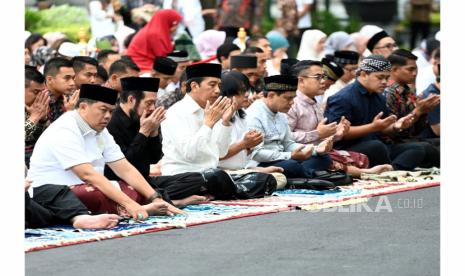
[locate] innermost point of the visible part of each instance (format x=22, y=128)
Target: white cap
x=370, y=30
x=69, y=49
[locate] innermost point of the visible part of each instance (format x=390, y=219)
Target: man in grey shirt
x=278, y=148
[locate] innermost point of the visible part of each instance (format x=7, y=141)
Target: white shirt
x=305, y=21
x=191, y=11
x=188, y=144
x=100, y=24
x=333, y=89
x=240, y=160
x=67, y=142
x=425, y=77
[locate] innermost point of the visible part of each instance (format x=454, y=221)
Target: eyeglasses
x=319, y=77
x=389, y=46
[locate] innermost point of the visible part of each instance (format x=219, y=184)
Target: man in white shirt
x=194, y=137
x=74, y=150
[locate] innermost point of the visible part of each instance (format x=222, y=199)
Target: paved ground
x=402, y=242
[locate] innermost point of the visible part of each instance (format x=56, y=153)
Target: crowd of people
x=162, y=117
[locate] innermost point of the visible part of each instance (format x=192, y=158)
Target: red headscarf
x=154, y=39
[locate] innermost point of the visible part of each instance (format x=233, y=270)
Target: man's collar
x=192, y=105
x=361, y=88
x=82, y=124
x=305, y=98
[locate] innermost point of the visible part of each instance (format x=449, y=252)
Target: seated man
x=61, y=206
x=59, y=79
x=401, y=101
x=309, y=127
x=381, y=44
x=278, y=148
x=197, y=129
x=106, y=58
x=433, y=129
x=73, y=151
x=36, y=101
x=348, y=60
x=85, y=70
x=135, y=127
x=182, y=60
x=119, y=69
x=363, y=104
x=170, y=98
x=224, y=54
x=165, y=69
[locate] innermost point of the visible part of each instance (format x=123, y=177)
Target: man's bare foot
x=156, y=208
x=270, y=169
x=379, y=169
x=191, y=200
x=103, y=221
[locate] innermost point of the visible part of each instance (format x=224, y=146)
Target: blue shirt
x=434, y=116
x=359, y=107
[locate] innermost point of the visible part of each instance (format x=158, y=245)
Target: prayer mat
x=52, y=237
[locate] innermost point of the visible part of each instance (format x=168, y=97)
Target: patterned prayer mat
x=45, y=238
x=284, y=200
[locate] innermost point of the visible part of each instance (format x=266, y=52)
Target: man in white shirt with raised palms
x=197, y=129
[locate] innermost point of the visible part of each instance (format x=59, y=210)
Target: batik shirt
x=400, y=100
x=56, y=107
x=170, y=98
x=32, y=131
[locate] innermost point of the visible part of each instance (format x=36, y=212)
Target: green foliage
x=326, y=22
x=353, y=25
x=64, y=18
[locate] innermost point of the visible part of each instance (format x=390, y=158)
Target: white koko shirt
x=188, y=144
x=67, y=142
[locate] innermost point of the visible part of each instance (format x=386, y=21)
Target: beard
x=133, y=113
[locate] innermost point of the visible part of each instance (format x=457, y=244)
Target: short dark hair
x=252, y=41
x=225, y=49
x=79, y=62
x=300, y=66
x=52, y=67
x=103, y=55
x=33, y=38
x=102, y=73
x=84, y=100
x=122, y=66
x=253, y=50
x=137, y=94
x=32, y=74
x=400, y=57
x=189, y=81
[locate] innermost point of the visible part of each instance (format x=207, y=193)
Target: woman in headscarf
x=154, y=39
x=208, y=42
x=279, y=45
x=235, y=86
x=312, y=45
x=338, y=41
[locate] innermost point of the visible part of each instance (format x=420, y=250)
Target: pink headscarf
x=208, y=41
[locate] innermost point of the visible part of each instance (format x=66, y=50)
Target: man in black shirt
x=135, y=125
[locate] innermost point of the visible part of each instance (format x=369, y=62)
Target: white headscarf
x=307, y=50
x=339, y=41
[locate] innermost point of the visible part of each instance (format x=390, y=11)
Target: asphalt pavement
x=396, y=234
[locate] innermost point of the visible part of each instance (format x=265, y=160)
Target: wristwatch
x=154, y=196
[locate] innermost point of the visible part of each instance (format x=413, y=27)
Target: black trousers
x=402, y=156
x=52, y=205
x=178, y=186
